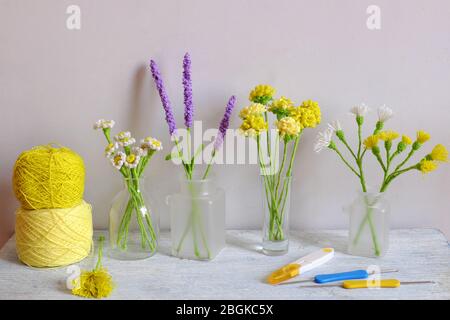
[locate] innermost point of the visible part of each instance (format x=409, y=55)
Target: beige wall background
x=54, y=83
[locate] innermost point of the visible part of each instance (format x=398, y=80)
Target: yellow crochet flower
x=253, y=125
x=314, y=106
x=388, y=135
x=422, y=136
x=427, y=166
x=262, y=94
x=371, y=141
x=281, y=105
x=255, y=109
x=94, y=284
x=406, y=139
x=439, y=153
x=288, y=126
x=306, y=117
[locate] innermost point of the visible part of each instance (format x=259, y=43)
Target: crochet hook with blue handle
x=341, y=276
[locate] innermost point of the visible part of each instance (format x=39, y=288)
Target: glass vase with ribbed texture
x=369, y=225
x=197, y=219
x=133, y=223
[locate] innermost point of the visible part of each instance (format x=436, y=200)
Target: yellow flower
x=253, y=125
x=288, y=126
x=406, y=139
x=255, y=109
x=94, y=284
x=427, y=166
x=262, y=94
x=422, y=136
x=371, y=141
x=388, y=135
x=281, y=105
x=306, y=117
x=314, y=107
x=439, y=153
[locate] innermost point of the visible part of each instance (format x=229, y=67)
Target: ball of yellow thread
x=54, y=237
x=49, y=177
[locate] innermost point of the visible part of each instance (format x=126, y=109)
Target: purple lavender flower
x=225, y=123
x=164, y=98
x=187, y=83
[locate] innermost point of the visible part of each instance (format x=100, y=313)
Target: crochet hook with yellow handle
x=301, y=265
x=364, y=284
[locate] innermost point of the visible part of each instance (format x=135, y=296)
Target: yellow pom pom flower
x=406, y=139
x=262, y=94
x=288, y=126
x=439, y=153
x=255, y=109
x=253, y=125
x=371, y=141
x=96, y=283
x=427, y=166
x=422, y=136
x=306, y=117
x=388, y=135
x=281, y=106
x=314, y=107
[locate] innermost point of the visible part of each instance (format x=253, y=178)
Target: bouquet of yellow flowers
x=290, y=122
x=370, y=144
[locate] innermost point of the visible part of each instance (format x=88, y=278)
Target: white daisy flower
x=104, y=124
x=323, y=139
x=132, y=160
x=124, y=139
x=122, y=136
x=384, y=113
x=360, y=110
x=151, y=143
x=111, y=149
x=118, y=159
x=335, y=125
x=139, y=151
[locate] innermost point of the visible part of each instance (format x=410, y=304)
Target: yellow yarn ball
x=48, y=177
x=54, y=237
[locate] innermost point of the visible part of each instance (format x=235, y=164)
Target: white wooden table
x=239, y=271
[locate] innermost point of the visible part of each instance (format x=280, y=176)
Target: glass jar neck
x=372, y=197
x=133, y=181
x=197, y=187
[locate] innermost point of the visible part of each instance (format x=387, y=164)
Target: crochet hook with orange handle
x=364, y=284
x=301, y=265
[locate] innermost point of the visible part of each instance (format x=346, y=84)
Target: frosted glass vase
x=369, y=225
x=197, y=219
x=133, y=224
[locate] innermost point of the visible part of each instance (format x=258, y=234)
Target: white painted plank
x=239, y=271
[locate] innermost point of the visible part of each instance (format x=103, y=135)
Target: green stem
x=101, y=239
x=209, y=165
x=345, y=161
x=406, y=159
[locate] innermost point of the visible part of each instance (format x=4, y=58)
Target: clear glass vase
x=197, y=219
x=133, y=224
x=276, y=192
x=369, y=225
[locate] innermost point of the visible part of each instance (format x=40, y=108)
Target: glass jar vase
x=133, y=224
x=276, y=192
x=369, y=225
x=197, y=219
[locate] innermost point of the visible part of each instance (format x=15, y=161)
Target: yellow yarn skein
x=54, y=237
x=46, y=177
